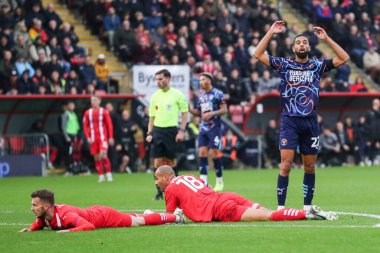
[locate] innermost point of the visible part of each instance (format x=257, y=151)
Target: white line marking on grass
x=277, y=225
x=375, y=216
x=14, y=224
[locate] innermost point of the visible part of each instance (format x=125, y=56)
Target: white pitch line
x=375, y=216
x=277, y=225
x=14, y=224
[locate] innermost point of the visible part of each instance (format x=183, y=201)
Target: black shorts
x=164, y=144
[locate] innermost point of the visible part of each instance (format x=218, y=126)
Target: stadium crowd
x=41, y=54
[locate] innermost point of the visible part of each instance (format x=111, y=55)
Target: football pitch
x=354, y=192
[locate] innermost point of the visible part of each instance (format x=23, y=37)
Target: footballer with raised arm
x=67, y=218
x=299, y=93
x=202, y=204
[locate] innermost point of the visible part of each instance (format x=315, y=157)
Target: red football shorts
x=97, y=146
x=230, y=207
x=107, y=217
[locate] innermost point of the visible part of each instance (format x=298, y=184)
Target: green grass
x=350, y=189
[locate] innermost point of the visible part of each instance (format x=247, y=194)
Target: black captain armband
x=330, y=64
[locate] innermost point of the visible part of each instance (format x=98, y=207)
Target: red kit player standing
x=97, y=127
x=202, y=204
x=66, y=218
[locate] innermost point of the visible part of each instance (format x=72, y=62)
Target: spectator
x=363, y=140
x=54, y=65
x=358, y=85
x=199, y=48
x=228, y=63
x=126, y=147
x=344, y=142
x=143, y=53
x=242, y=56
x=228, y=152
x=111, y=24
x=7, y=21
x=37, y=48
x=37, y=31
x=56, y=84
x=21, y=47
x=267, y=84
x=6, y=66
x=371, y=62
x=324, y=15
x=207, y=65
x=373, y=128
x=216, y=50
x=40, y=81
x=55, y=48
x=183, y=49
x=68, y=32
x=87, y=74
x=228, y=36
x=353, y=142
x=272, y=151
x=33, y=14
x=50, y=15
x=154, y=19
x=25, y=85
x=53, y=30
x=236, y=88
x=102, y=71
x=115, y=119
x=125, y=40
x=41, y=63
x=5, y=44
x=21, y=29
x=330, y=148
x=22, y=65
x=73, y=85
x=358, y=45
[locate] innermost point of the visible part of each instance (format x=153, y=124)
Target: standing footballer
x=164, y=107
x=299, y=102
x=98, y=129
x=211, y=105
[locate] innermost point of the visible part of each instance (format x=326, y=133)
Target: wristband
x=182, y=129
x=149, y=133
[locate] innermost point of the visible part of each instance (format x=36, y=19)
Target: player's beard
x=303, y=55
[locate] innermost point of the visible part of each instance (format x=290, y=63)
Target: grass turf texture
x=350, y=189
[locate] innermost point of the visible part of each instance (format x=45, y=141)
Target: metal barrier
x=25, y=150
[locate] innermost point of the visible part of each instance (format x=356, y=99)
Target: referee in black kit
x=164, y=107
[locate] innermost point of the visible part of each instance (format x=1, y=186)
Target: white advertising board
x=144, y=79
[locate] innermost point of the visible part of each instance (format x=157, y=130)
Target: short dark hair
x=301, y=35
x=44, y=195
x=165, y=72
x=209, y=76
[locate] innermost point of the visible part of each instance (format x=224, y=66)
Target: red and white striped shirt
x=97, y=124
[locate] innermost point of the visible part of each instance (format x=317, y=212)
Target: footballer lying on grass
x=66, y=218
x=202, y=204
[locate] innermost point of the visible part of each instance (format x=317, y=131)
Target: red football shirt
x=78, y=219
x=97, y=124
x=191, y=195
